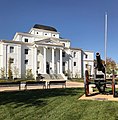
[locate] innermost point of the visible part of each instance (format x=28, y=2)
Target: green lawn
x=54, y=104
x=76, y=80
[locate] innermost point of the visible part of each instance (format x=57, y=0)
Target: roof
x=76, y=49
x=15, y=42
x=45, y=27
x=30, y=44
x=89, y=51
x=64, y=40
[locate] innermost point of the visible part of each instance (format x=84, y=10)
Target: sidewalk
x=99, y=97
x=69, y=84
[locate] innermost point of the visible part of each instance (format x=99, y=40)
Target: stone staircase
x=53, y=76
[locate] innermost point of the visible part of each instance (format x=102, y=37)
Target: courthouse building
x=43, y=51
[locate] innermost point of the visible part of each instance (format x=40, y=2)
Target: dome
x=45, y=27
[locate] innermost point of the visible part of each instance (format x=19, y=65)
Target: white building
x=41, y=50
x=89, y=62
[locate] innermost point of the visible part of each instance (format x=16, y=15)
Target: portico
x=50, y=59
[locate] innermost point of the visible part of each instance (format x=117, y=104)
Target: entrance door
x=47, y=68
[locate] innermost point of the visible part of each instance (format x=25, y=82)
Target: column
x=5, y=50
x=69, y=61
x=70, y=66
x=53, y=60
x=58, y=67
x=60, y=61
x=19, y=61
x=35, y=61
x=44, y=59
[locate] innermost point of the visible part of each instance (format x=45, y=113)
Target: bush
x=2, y=70
x=29, y=74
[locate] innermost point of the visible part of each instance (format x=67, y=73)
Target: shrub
x=9, y=69
x=2, y=70
x=29, y=74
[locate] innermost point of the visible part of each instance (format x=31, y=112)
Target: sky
x=80, y=21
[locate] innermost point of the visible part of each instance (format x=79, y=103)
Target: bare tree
x=110, y=65
x=9, y=69
x=16, y=71
x=2, y=70
x=29, y=74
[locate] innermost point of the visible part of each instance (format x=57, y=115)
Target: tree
x=9, y=68
x=16, y=71
x=29, y=74
x=2, y=70
x=110, y=65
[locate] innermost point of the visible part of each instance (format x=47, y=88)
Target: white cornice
x=41, y=30
x=32, y=35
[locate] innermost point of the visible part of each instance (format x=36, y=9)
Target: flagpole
x=106, y=31
x=105, y=38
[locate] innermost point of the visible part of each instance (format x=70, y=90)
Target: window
x=26, y=40
x=38, y=51
x=45, y=33
x=64, y=44
x=11, y=49
x=26, y=61
x=11, y=60
x=63, y=54
x=86, y=56
x=38, y=64
x=86, y=65
x=37, y=32
x=26, y=51
x=55, y=53
x=63, y=63
x=54, y=35
x=74, y=54
x=74, y=63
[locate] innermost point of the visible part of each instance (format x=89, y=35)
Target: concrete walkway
x=69, y=84
x=99, y=97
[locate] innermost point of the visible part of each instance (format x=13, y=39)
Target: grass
x=77, y=80
x=11, y=80
x=54, y=104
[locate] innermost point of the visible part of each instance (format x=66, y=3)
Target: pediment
x=49, y=41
